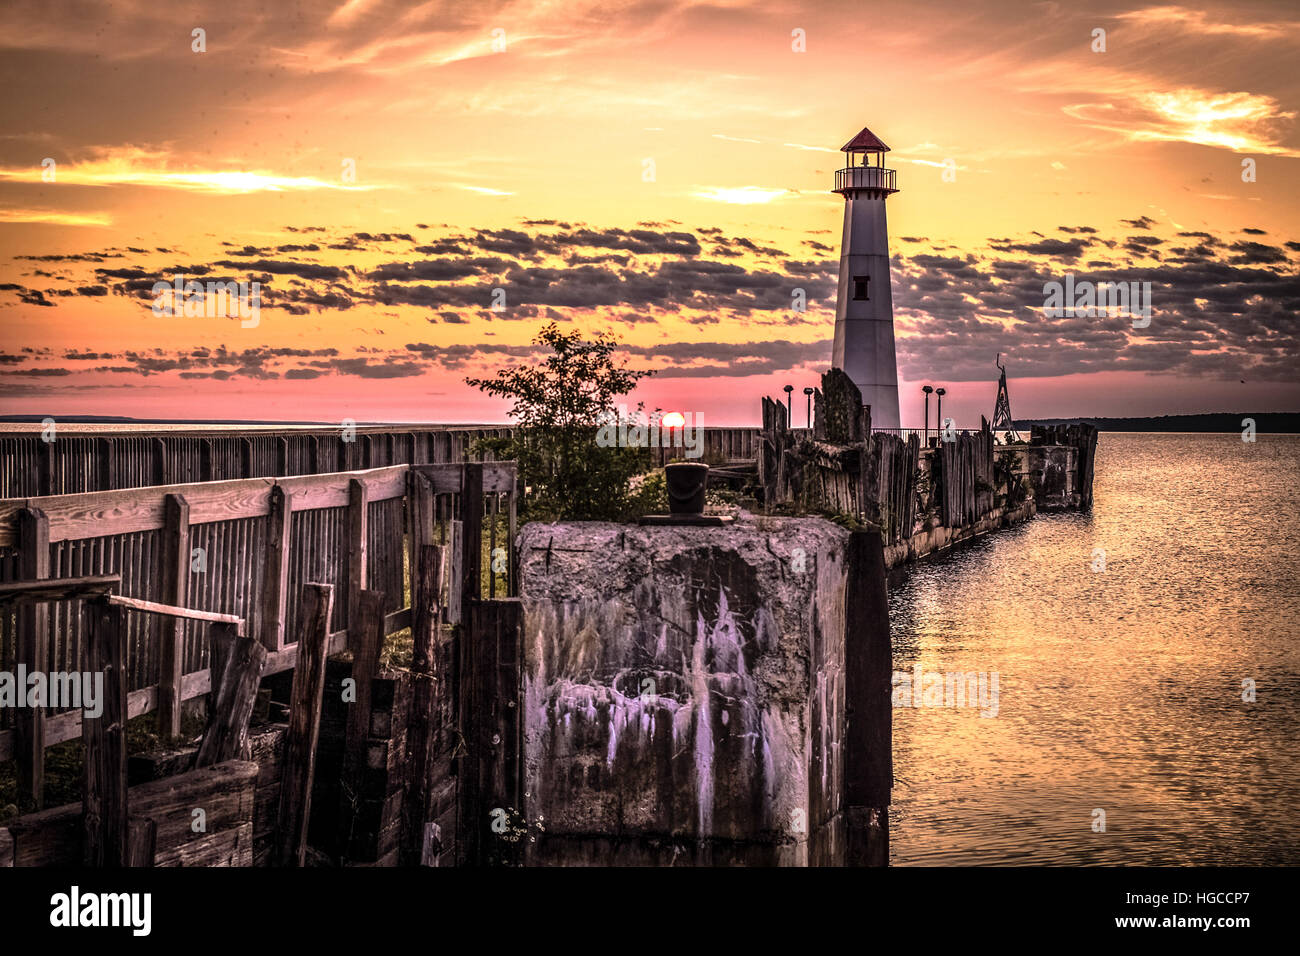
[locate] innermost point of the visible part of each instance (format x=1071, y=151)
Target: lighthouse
x=864, y=308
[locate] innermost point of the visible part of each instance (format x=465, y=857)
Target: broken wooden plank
x=235, y=692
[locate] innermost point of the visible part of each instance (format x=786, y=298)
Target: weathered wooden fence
x=243, y=548
x=964, y=478
x=75, y=462
x=80, y=461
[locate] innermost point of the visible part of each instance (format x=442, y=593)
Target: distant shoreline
x=1213, y=423
x=1270, y=423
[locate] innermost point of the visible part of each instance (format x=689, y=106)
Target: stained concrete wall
x=734, y=754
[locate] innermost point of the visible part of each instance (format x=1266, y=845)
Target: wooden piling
x=491, y=774
x=236, y=669
x=425, y=622
x=32, y=651
x=299, y=764
x=365, y=664
x=141, y=841
x=104, y=794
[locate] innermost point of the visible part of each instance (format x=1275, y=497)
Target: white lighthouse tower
x=864, y=308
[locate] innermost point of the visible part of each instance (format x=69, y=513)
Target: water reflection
x=1120, y=689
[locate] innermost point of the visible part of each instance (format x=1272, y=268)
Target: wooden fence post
x=491, y=717
x=299, y=763
x=105, y=464
x=32, y=649
x=159, y=461
x=104, y=795
x=275, y=584
x=869, y=769
x=236, y=670
x=45, y=469
x=365, y=664
x=175, y=585
x=471, y=516
x=358, y=548
x=206, y=453
x=425, y=622
x=141, y=841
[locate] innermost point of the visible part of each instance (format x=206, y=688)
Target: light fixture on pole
x=927, y=389
x=789, y=406
x=809, y=392
x=939, y=413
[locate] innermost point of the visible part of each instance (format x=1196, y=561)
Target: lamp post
x=927, y=389
x=809, y=392
x=789, y=406
x=939, y=412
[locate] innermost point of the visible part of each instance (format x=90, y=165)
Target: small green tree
x=558, y=408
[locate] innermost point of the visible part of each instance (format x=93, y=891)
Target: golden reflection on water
x=1118, y=690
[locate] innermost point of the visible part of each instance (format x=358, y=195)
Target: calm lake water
x=1119, y=690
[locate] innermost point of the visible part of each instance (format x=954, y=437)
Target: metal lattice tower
x=1002, y=410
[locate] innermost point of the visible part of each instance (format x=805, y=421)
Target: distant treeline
x=1273, y=422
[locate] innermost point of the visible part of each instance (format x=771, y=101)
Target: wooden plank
x=126, y=510
x=141, y=841
x=31, y=650
x=446, y=478
x=454, y=572
x=6, y=848
x=299, y=765
x=59, y=589
x=512, y=535
x=498, y=476
x=358, y=553
x=175, y=582
x=365, y=664
x=170, y=610
x=104, y=794
x=332, y=490
x=234, y=694
x=275, y=586
x=471, y=517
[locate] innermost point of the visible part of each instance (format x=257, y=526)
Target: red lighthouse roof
x=866, y=140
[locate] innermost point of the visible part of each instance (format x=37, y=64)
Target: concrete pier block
x=685, y=692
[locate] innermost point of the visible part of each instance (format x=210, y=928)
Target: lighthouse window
x=860, y=284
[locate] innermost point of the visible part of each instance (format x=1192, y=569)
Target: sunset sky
x=661, y=170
